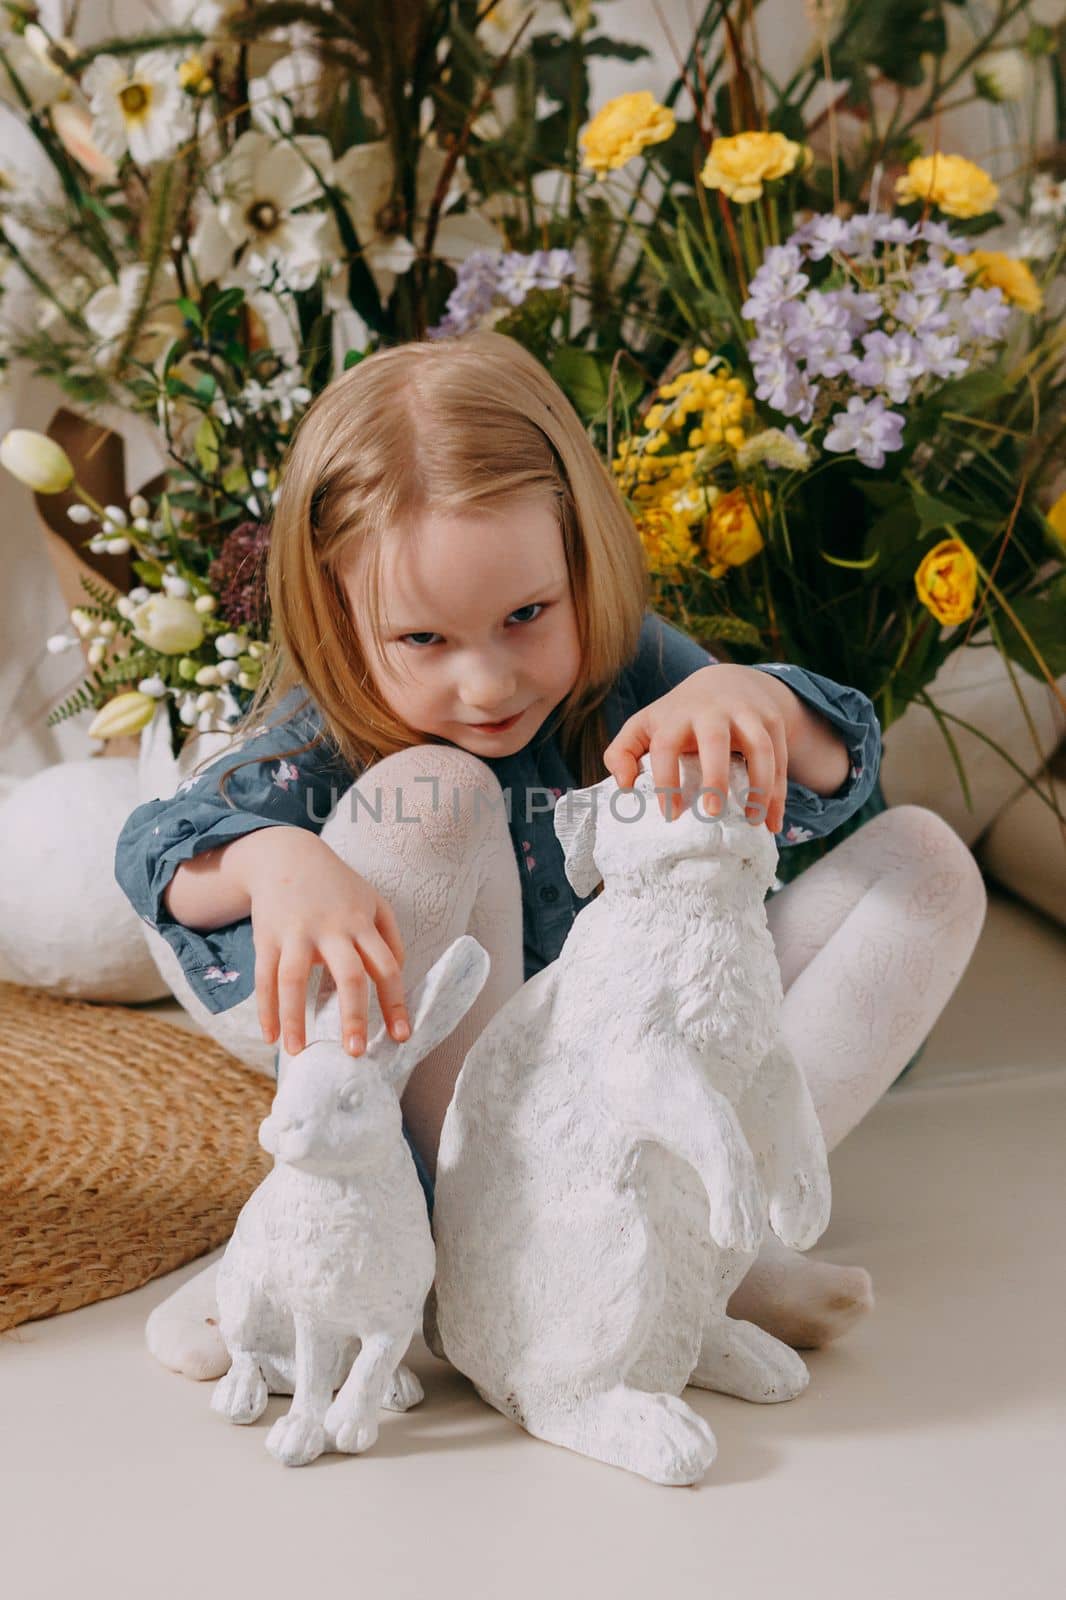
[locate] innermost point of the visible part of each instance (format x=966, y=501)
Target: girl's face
x=478, y=626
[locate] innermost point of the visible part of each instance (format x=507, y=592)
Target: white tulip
x=168, y=624
x=36, y=461
x=205, y=603
x=1002, y=75
x=124, y=715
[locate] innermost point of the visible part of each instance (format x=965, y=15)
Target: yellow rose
x=957, y=186
x=666, y=541
x=620, y=130
x=946, y=581
x=124, y=715
x=741, y=164
x=731, y=534
x=994, y=270
x=36, y=461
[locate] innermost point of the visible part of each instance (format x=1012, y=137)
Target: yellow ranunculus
x=666, y=540
x=36, y=461
x=731, y=534
x=957, y=186
x=740, y=164
x=167, y=623
x=946, y=581
x=994, y=270
x=1057, y=520
x=124, y=715
x=621, y=129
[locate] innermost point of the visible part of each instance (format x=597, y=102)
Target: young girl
x=461, y=636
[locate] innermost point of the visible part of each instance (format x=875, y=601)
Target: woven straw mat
x=127, y=1148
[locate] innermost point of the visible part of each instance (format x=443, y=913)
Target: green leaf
x=934, y=513
x=584, y=378
x=352, y=358
x=190, y=311
x=205, y=445
x=1044, y=619
x=149, y=572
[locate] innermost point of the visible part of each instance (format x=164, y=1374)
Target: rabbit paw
x=296, y=1438
x=799, y=1213
x=738, y=1219
x=352, y=1431
x=403, y=1390
x=241, y=1394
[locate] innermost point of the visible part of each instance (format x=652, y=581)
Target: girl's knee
x=444, y=792
x=925, y=836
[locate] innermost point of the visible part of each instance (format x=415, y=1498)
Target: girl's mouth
x=496, y=727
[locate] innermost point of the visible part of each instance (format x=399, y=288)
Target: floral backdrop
x=820, y=349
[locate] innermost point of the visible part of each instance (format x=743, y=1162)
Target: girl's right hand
x=308, y=906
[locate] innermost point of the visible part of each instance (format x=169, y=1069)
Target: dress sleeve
x=274, y=789
x=666, y=657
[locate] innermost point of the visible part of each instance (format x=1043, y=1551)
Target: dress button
x=549, y=894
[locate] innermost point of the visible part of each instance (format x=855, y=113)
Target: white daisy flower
x=364, y=176
x=288, y=90
x=137, y=105
x=32, y=55
x=265, y=185
x=1048, y=197
x=111, y=310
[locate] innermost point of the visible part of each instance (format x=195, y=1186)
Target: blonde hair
x=464, y=424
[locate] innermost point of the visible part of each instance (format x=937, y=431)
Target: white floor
x=926, y=1459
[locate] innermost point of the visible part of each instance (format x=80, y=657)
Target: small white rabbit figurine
x=621, y=1133
x=324, y=1279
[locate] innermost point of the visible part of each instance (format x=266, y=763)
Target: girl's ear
x=575, y=819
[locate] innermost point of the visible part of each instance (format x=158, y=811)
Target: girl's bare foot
x=804, y=1303
x=182, y=1332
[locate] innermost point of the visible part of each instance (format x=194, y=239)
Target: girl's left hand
x=718, y=709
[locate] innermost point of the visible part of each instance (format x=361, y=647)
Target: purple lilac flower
x=936, y=277
x=822, y=235
x=939, y=235
x=940, y=352
x=921, y=313
x=983, y=314
x=472, y=296
x=892, y=362
x=867, y=428
x=519, y=275
x=777, y=280
x=486, y=274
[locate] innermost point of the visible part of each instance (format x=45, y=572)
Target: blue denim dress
x=303, y=790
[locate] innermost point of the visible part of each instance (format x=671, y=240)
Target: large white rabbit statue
x=621, y=1134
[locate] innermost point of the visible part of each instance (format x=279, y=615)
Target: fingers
x=761, y=740
x=266, y=987
x=349, y=974
x=294, y=968
x=388, y=977
x=622, y=755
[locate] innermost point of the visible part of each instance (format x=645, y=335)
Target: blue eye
x=534, y=605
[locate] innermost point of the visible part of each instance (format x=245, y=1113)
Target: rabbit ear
x=323, y=1014
x=575, y=818
x=436, y=1007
